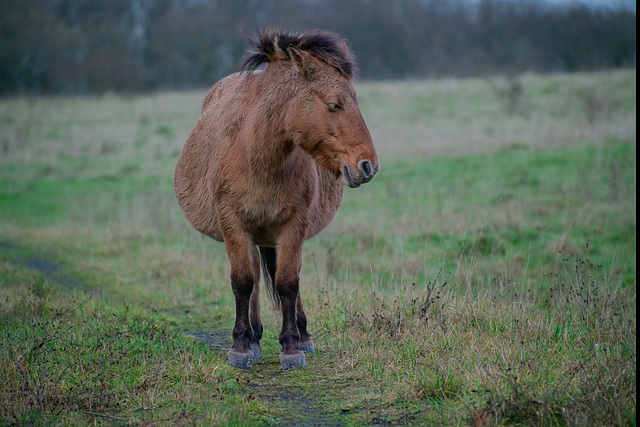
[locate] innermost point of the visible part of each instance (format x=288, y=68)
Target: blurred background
x=98, y=46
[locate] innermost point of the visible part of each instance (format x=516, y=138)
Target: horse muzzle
x=365, y=173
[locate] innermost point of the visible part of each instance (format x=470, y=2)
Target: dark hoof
x=307, y=347
x=240, y=360
x=257, y=351
x=295, y=360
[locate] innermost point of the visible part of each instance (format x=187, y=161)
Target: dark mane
x=325, y=46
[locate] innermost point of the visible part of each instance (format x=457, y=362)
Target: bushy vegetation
x=98, y=46
x=486, y=276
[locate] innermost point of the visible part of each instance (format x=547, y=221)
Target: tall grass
x=564, y=353
x=486, y=276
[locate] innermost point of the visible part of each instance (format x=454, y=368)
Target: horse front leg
x=242, y=282
x=288, y=288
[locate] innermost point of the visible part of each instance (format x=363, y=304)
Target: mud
x=298, y=406
x=218, y=341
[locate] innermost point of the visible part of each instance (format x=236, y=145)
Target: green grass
x=486, y=276
x=73, y=358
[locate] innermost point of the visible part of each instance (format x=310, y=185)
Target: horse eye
x=334, y=107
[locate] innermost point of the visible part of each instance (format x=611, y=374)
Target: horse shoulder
x=325, y=205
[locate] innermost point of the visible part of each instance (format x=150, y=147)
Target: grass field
x=486, y=276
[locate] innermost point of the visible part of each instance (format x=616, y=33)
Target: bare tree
x=71, y=46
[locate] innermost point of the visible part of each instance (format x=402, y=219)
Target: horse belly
x=205, y=152
x=197, y=205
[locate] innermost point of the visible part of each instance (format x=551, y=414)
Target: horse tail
x=269, y=261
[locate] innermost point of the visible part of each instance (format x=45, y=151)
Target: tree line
x=94, y=46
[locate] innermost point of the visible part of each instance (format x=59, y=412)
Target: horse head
x=324, y=118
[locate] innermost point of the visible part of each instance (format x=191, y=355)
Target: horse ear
x=303, y=62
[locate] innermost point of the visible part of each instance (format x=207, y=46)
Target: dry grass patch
x=561, y=355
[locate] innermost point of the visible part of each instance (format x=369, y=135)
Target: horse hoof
x=296, y=360
x=307, y=348
x=257, y=351
x=240, y=360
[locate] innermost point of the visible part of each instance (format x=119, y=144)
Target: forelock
x=272, y=44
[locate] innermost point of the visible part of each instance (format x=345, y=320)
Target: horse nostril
x=366, y=168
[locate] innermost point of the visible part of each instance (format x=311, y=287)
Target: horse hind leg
x=254, y=307
x=305, y=344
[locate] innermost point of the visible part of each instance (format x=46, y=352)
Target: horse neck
x=269, y=147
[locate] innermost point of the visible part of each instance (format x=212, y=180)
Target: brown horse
x=263, y=170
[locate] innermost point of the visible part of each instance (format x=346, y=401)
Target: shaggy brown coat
x=265, y=165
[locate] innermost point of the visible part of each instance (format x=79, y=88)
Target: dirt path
x=51, y=270
x=300, y=404
x=293, y=405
